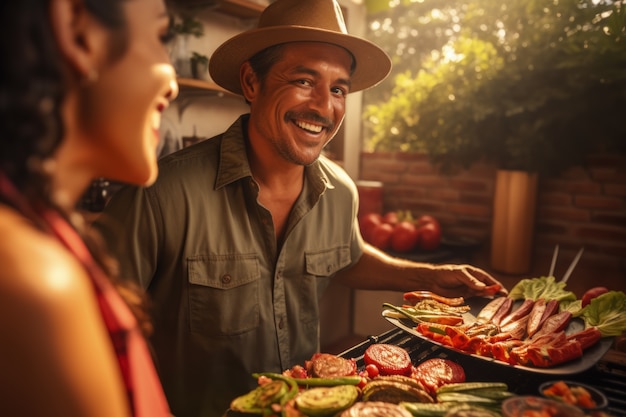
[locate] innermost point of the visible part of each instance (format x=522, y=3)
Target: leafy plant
x=187, y=25
x=199, y=58
x=533, y=85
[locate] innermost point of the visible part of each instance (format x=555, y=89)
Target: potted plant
x=199, y=66
x=533, y=96
x=183, y=28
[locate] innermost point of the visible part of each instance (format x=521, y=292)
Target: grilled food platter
x=476, y=304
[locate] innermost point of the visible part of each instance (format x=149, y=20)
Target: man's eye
x=339, y=91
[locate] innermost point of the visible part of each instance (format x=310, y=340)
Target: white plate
x=589, y=358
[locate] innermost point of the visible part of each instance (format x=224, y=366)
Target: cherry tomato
x=391, y=217
x=381, y=236
x=593, y=293
x=429, y=236
x=428, y=219
x=372, y=370
x=404, y=237
x=368, y=222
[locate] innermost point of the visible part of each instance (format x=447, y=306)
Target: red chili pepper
x=459, y=339
x=547, y=356
x=587, y=338
x=502, y=350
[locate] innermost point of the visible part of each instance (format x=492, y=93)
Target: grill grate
x=609, y=377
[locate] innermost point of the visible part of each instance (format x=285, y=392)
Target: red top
x=140, y=378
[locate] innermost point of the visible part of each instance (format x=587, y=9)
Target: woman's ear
x=80, y=38
x=249, y=82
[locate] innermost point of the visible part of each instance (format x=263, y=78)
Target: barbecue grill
x=606, y=375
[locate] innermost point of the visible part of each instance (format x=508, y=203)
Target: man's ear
x=249, y=82
x=81, y=40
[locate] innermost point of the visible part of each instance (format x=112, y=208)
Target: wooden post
x=513, y=226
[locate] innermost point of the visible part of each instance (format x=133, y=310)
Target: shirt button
x=281, y=324
x=328, y=269
x=226, y=279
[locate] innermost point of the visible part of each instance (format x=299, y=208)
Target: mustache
x=312, y=117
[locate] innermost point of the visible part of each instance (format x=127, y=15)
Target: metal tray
x=589, y=358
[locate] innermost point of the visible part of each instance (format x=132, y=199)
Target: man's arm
x=376, y=270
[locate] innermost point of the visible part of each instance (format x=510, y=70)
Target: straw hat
x=299, y=21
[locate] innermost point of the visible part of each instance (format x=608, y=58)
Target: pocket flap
x=223, y=271
x=327, y=262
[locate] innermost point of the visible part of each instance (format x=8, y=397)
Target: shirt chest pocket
x=223, y=294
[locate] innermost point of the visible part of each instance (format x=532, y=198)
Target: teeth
x=156, y=121
x=309, y=127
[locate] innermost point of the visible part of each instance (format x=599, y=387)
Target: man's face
x=300, y=105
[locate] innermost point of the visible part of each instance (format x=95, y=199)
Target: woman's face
x=126, y=101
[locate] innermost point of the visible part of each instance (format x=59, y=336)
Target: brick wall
x=584, y=206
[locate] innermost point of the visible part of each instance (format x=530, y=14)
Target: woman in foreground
x=82, y=87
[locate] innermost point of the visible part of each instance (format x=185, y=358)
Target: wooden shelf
x=193, y=85
x=243, y=9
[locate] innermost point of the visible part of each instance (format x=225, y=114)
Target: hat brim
x=372, y=63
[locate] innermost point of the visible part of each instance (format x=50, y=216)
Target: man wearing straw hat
x=240, y=235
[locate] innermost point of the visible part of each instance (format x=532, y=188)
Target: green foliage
x=199, y=58
x=187, y=25
x=527, y=84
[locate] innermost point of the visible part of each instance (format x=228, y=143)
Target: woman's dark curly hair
x=32, y=88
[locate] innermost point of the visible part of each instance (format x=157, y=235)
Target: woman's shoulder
x=36, y=268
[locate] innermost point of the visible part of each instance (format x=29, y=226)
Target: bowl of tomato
x=534, y=406
x=573, y=393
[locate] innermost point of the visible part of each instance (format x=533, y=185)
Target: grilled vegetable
x=323, y=401
x=328, y=382
x=436, y=372
x=395, y=389
x=389, y=359
x=424, y=316
x=375, y=409
x=261, y=398
x=415, y=296
x=326, y=365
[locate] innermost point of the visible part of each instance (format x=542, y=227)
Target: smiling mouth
x=309, y=127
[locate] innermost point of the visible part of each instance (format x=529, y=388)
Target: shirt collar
x=234, y=165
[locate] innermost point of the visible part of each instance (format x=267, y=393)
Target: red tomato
x=391, y=217
x=372, y=370
x=593, y=293
x=368, y=222
x=404, y=237
x=381, y=236
x=436, y=372
x=427, y=219
x=429, y=236
x=389, y=359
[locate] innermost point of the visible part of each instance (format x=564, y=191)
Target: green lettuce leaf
x=607, y=312
x=542, y=287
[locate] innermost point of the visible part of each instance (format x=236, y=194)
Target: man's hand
x=465, y=281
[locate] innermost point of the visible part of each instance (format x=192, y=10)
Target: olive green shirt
x=226, y=301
